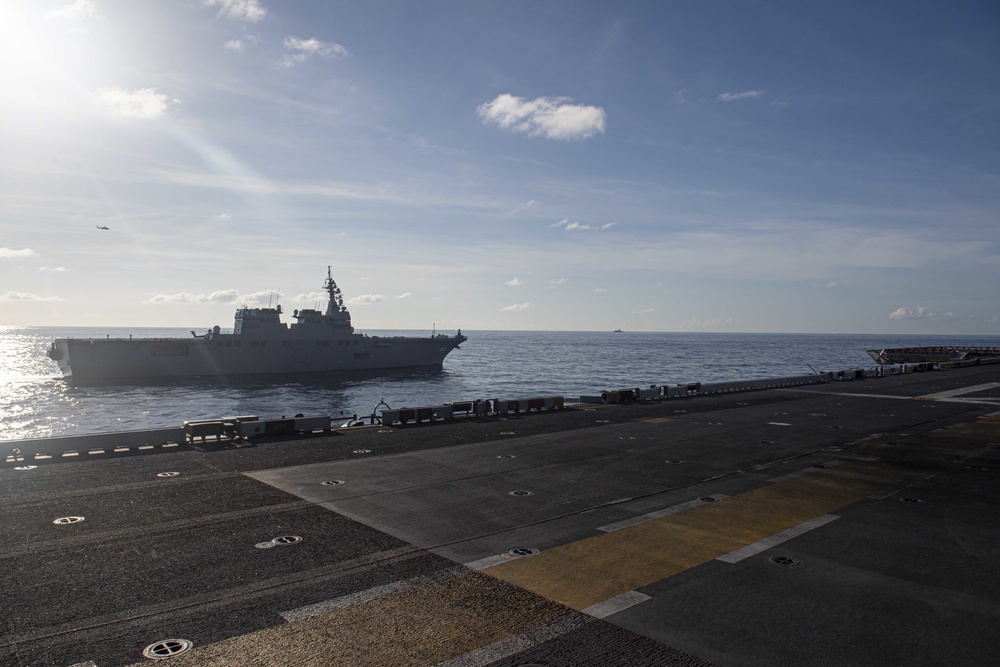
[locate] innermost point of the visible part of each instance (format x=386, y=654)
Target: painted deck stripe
x=804, y=471
x=633, y=521
x=774, y=540
x=616, y=604
x=353, y=599
x=589, y=571
x=514, y=645
x=960, y=392
x=888, y=493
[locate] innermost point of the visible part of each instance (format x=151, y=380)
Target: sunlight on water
x=36, y=402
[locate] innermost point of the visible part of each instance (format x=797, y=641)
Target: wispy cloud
x=549, y=117
x=75, y=12
x=234, y=45
x=600, y=290
x=918, y=313
x=521, y=207
x=239, y=10
x=58, y=269
x=516, y=307
x=746, y=95
x=572, y=226
x=404, y=295
x=7, y=253
x=555, y=282
x=221, y=296
x=299, y=50
x=27, y=296
x=144, y=103
x=514, y=282
x=365, y=299
x=310, y=297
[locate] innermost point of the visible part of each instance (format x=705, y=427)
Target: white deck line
x=643, y=518
x=960, y=392
x=345, y=601
x=615, y=604
x=776, y=539
x=506, y=648
x=804, y=471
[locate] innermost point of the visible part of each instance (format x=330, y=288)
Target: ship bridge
x=250, y=321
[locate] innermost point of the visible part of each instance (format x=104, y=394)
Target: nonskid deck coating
x=596, y=475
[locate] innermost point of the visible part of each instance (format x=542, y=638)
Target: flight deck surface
x=853, y=522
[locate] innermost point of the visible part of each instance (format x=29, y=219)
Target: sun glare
x=37, y=66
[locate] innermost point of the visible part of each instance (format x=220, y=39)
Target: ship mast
x=336, y=302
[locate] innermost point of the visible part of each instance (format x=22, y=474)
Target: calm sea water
x=35, y=402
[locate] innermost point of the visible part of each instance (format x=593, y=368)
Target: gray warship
x=260, y=345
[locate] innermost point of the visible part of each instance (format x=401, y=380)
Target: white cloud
x=260, y=298
x=521, y=207
x=59, y=269
x=300, y=50
x=901, y=313
x=514, y=282
x=74, y=12
x=221, y=296
x=404, y=295
x=365, y=299
x=746, y=95
x=144, y=103
x=555, y=282
x=26, y=296
x=549, y=117
x=646, y=310
x=516, y=307
x=234, y=45
x=311, y=298
x=239, y=10
x=600, y=290
x=7, y=253
x=571, y=226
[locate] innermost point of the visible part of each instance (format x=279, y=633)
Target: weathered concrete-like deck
x=845, y=523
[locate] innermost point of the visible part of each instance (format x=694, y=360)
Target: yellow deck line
x=584, y=573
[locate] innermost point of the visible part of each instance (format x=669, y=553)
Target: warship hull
x=93, y=362
x=259, y=345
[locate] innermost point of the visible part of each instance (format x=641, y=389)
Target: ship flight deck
x=843, y=523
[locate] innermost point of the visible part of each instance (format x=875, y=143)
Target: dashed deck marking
x=774, y=540
x=625, y=523
x=584, y=573
x=616, y=604
x=954, y=393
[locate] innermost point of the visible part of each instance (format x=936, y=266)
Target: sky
x=677, y=165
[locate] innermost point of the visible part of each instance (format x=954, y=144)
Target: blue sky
x=660, y=166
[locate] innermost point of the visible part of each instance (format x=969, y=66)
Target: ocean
x=36, y=402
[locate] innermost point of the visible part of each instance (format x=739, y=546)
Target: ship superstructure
x=260, y=344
